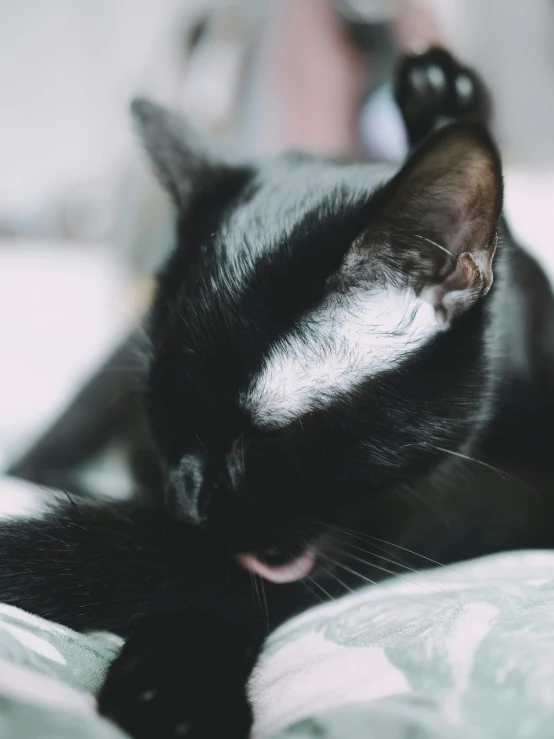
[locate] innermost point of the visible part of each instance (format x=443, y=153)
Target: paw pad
x=432, y=88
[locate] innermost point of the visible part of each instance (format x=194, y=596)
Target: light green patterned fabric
x=454, y=653
x=451, y=653
x=48, y=678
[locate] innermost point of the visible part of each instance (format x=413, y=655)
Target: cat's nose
x=196, y=480
x=186, y=496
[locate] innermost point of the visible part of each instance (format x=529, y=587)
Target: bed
x=465, y=651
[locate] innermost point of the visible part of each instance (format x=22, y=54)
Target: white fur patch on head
x=335, y=348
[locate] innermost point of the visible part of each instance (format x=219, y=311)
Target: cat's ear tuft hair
x=182, y=156
x=439, y=215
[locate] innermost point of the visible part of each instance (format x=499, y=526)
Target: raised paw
x=433, y=87
x=170, y=682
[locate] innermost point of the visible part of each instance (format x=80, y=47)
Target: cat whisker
x=396, y=562
x=368, y=538
x=265, y=608
x=255, y=593
x=287, y=537
x=199, y=440
x=258, y=597
x=380, y=584
x=397, y=574
x=314, y=592
x=395, y=559
x=334, y=575
x=434, y=243
x=506, y=476
x=318, y=585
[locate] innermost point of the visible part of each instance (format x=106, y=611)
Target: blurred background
x=83, y=223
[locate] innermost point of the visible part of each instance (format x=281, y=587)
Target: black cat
x=329, y=354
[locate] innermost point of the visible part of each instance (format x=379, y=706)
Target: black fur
x=445, y=454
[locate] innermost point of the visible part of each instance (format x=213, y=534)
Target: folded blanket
x=464, y=651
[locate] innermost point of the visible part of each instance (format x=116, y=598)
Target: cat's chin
x=296, y=569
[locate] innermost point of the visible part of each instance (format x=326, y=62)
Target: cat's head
x=317, y=335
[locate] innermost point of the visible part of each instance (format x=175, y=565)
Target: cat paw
x=169, y=683
x=434, y=87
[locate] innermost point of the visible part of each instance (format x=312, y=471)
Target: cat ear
x=181, y=155
x=438, y=218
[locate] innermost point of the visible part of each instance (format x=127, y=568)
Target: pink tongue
x=289, y=572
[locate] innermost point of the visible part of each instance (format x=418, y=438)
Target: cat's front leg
x=183, y=675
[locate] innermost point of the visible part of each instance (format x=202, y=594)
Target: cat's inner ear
x=438, y=218
x=182, y=157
